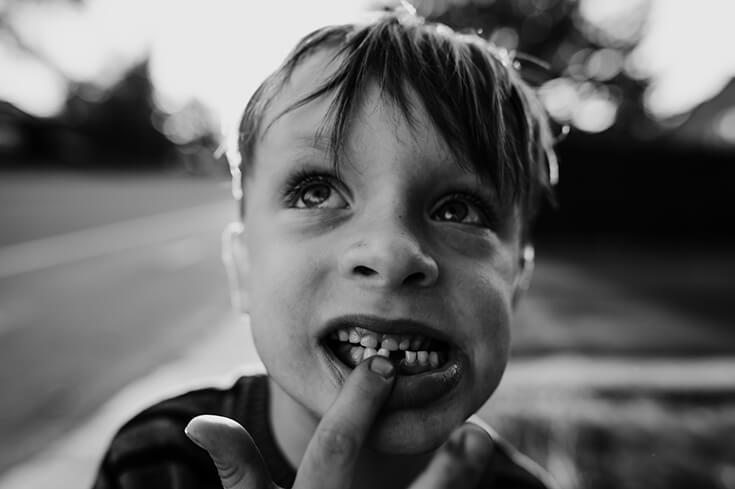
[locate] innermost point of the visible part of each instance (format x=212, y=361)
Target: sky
x=687, y=52
x=217, y=51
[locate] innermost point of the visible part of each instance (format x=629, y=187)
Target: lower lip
x=414, y=391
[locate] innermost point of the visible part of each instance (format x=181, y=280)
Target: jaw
x=422, y=409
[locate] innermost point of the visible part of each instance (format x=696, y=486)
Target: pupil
x=315, y=195
x=455, y=211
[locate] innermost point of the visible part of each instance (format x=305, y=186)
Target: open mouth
x=412, y=353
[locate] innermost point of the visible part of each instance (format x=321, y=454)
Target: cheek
x=483, y=308
x=288, y=284
x=284, y=284
x=491, y=324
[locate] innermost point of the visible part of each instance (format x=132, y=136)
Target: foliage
x=597, y=93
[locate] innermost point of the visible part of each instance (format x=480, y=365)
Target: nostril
x=416, y=278
x=364, y=271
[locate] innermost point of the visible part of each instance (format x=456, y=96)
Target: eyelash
x=297, y=182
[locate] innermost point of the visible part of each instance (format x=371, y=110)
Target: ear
x=525, y=272
x=235, y=259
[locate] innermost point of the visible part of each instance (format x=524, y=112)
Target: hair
x=489, y=118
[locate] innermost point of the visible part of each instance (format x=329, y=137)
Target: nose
x=389, y=260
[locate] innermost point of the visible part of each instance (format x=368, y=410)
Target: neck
x=293, y=426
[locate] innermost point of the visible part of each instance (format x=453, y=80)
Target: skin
x=334, y=450
x=398, y=234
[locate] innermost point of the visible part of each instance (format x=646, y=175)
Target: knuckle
x=455, y=467
x=364, y=389
x=230, y=475
x=478, y=446
x=452, y=471
x=337, y=446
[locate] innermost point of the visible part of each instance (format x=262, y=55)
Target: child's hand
x=332, y=452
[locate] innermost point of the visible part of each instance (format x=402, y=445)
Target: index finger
x=331, y=454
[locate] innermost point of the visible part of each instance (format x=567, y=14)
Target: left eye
x=461, y=210
x=318, y=193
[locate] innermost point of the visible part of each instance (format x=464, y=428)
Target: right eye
x=315, y=191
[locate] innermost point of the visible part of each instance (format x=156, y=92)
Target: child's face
x=400, y=244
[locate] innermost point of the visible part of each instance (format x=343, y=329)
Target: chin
x=416, y=431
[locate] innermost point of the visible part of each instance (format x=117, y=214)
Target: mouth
x=426, y=361
x=411, y=353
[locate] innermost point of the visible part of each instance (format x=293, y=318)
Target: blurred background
x=114, y=191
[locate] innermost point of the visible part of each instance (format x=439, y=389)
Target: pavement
x=71, y=461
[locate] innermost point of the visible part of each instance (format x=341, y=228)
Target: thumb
x=234, y=453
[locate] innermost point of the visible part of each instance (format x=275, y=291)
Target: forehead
x=310, y=74
x=310, y=125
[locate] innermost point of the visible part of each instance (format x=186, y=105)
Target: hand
x=330, y=457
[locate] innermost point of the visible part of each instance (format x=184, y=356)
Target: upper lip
x=385, y=326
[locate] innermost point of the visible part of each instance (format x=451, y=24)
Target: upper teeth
x=380, y=341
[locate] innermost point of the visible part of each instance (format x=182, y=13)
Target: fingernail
x=382, y=366
x=191, y=436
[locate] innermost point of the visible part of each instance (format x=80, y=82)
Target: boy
x=389, y=175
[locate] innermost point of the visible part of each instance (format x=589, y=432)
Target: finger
x=234, y=453
x=332, y=451
x=460, y=462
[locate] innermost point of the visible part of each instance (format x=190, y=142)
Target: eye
x=463, y=209
x=314, y=191
x=314, y=195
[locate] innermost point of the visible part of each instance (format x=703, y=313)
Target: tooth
x=423, y=357
x=356, y=353
x=405, y=342
x=369, y=352
x=384, y=353
x=410, y=357
x=434, y=359
x=389, y=343
x=354, y=337
x=343, y=335
x=416, y=342
x=369, y=341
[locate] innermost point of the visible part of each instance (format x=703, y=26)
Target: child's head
x=390, y=172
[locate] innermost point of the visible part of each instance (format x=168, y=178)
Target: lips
x=428, y=364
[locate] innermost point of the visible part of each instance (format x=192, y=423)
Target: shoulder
x=151, y=450
x=512, y=469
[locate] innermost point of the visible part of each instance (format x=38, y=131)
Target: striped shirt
x=152, y=451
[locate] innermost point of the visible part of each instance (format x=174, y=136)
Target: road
x=101, y=279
